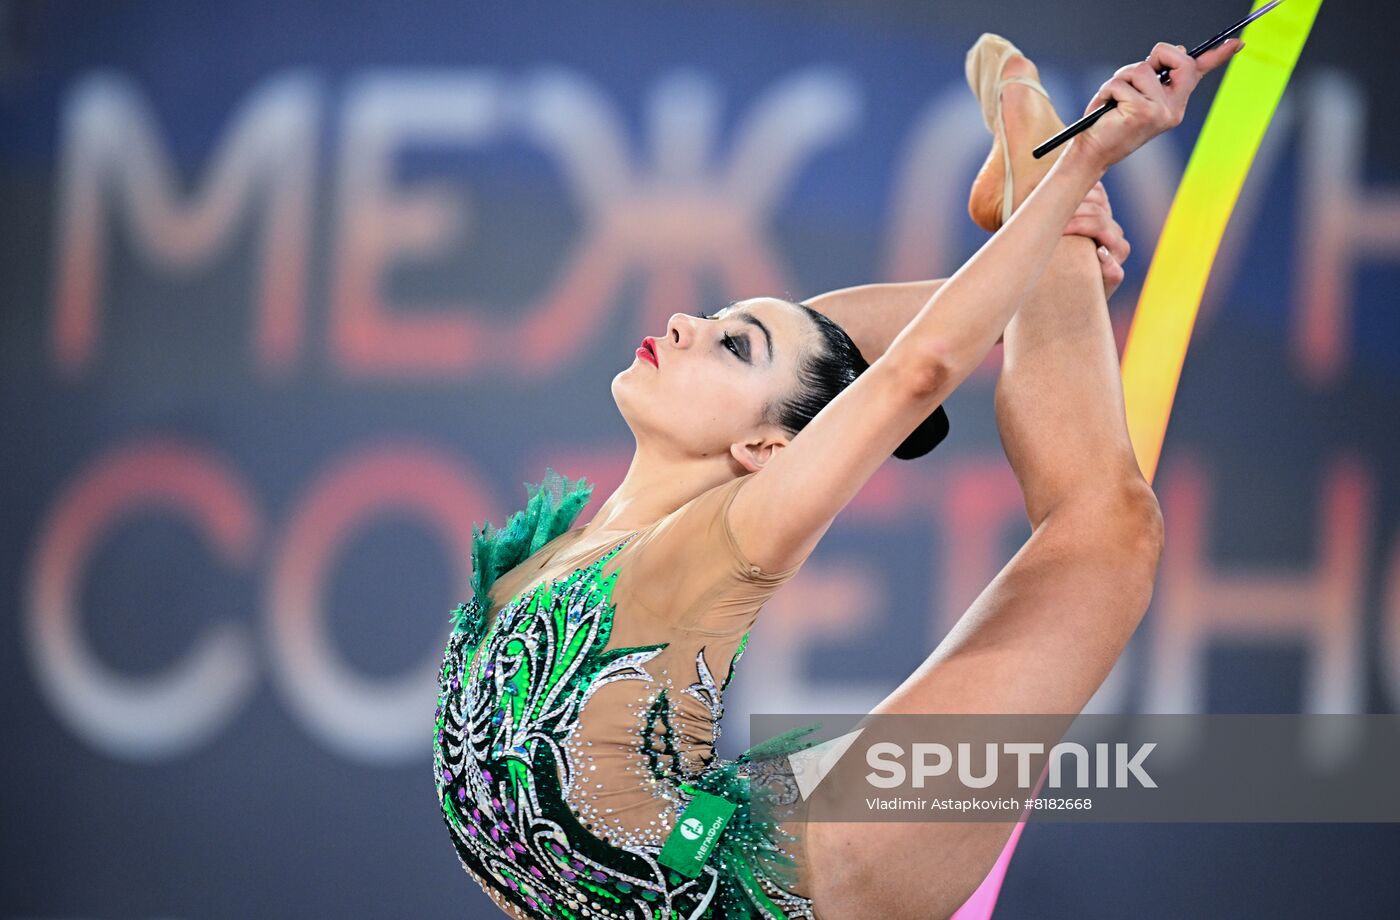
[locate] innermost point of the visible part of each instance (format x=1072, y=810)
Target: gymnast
x=581, y=688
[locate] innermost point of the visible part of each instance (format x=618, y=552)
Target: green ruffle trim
x=748, y=849
x=551, y=509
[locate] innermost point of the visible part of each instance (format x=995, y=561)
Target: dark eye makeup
x=728, y=340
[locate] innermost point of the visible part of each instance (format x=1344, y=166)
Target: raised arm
x=961, y=322
x=874, y=314
x=782, y=511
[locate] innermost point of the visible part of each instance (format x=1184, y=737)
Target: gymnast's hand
x=1146, y=106
x=1094, y=219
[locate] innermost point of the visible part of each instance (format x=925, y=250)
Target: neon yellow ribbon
x=1171, y=293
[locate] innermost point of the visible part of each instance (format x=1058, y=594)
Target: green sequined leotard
x=577, y=720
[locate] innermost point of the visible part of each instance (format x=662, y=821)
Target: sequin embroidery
x=509, y=700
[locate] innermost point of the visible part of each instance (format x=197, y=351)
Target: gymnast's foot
x=1029, y=119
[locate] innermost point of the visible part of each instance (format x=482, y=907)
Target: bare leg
x=1045, y=633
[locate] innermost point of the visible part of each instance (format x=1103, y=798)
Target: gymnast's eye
x=727, y=339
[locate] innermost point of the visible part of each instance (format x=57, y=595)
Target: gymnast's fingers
x=1218, y=55
x=1184, y=74
x=1118, y=244
x=1111, y=271
x=1086, y=222
x=1099, y=195
x=1092, y=220
x=1143, y=76
x=1117, y=89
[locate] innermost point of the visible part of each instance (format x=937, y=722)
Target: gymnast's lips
x=647, y=351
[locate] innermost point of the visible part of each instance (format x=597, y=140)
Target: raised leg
x=1044, y=634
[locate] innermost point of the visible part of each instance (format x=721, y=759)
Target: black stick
x=1163, y=75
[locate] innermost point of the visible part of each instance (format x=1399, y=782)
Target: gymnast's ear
x=755, y=453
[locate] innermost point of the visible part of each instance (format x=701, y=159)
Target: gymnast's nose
x=679, y=331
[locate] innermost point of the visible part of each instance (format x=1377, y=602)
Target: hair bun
x=926, y=437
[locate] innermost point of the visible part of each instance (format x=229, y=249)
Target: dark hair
x=825, y=371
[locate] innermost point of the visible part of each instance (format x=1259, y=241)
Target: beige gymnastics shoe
x=992, y=198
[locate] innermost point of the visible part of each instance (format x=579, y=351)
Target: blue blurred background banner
x=296, y=294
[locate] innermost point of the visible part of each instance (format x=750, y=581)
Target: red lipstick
x=647, y=351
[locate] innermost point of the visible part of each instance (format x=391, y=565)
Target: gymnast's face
x=705, y=395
